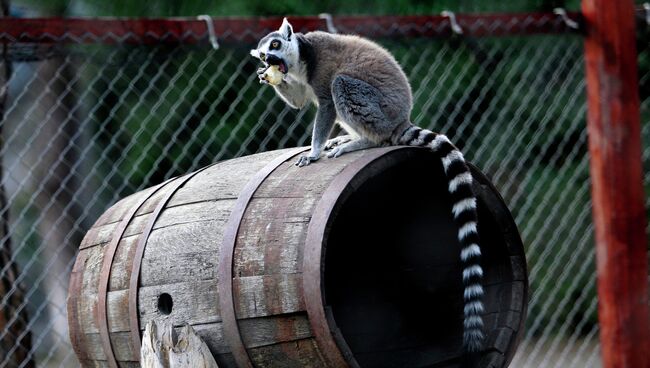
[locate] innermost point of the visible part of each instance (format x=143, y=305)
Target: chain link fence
x=87, y=124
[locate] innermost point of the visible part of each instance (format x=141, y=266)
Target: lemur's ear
x=286, y=30
x=255, y=53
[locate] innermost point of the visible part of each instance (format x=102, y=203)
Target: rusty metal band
x=313, y=257
x=107, y=263
x=134, y=321
x=224, y=286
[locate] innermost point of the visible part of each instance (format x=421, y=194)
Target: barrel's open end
x=392, y=274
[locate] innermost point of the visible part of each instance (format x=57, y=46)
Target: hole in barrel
x=165, y=304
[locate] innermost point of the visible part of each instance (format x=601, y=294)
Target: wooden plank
x=184, y=214
x=88, y=300
x=258, y=332
x=163, y=269
x=91, y=237
x=501, y=339
x=497, y=271
x=179, y=253
x=516, y=300
x=194, y=212
x=225, y=360
x=121, y=269
x=271, y=236
x=493, y=359
x=193, y=302
x=272, y=233
x=258, y=296
x=186, y=238
x=129, y=364
x=104, y=364
x=92, y=266
x=289, y=184
x=121, y=342
x=289, y=180
x=212, y=334
x=104, y=233
x=296, y=354
x=75, y=292
x=117, y=211
x=616, y=177
x=518, y=264
x=222, y=181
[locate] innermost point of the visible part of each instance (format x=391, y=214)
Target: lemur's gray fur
x=359, y=85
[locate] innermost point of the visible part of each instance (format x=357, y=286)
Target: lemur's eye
x=262, y=56
x=275, y=45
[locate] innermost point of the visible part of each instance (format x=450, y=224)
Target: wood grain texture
x=259, y=296
x=616, y=177
x=275, y=329
x=201, y=310
x=177, y=215
x=295, y=354
x=121, y=342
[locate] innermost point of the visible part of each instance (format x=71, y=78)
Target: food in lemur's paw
x=273, y=75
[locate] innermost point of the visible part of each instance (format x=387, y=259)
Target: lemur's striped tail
x=459, y=180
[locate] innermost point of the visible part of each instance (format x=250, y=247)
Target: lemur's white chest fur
x=298, y=75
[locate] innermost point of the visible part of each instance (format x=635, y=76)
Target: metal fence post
x=618, y=198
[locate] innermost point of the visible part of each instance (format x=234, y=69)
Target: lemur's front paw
x=270, y=74
x=337, y=141
x=261, y=75
x=306, y=160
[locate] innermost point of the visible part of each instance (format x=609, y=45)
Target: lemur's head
x=279, y=48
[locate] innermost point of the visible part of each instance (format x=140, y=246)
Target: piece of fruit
x=273, y=75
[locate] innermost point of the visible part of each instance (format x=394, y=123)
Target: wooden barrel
x=346, y=262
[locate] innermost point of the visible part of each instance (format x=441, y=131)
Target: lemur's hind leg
x=359, y=105
x=354, y=145
x=337, y=141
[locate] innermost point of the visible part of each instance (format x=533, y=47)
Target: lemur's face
x=279, y=48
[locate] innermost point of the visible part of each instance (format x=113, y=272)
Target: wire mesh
x=88, y=124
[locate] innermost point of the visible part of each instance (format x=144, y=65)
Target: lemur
x=358, y=84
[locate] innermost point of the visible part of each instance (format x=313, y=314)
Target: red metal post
x=617, y=190
x=110, y=30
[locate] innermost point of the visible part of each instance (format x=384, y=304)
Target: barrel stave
x=292, y=354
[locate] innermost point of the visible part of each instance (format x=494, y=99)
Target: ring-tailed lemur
x=360, y=85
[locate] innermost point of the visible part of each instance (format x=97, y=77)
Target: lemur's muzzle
x=275, y=60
